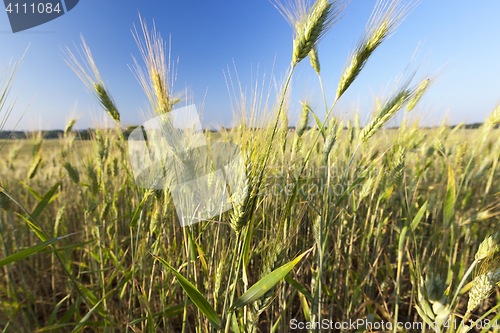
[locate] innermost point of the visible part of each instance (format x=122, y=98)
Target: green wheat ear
x=310, y=31
x=386, y=16
x=301, y=128
x=314, y=59
x=332, y=134
x=35, y=166
x=398, y=166
x=69, y=127
x=93, y=181
x=72, y=172
x=385, y=113
x=482, y=287
x=106, y=101
x=421, y=89
x=242, y=199
x=489, y=246
x=309, y=24
x=93, y=80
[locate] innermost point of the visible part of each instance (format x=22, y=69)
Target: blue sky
x=458, y=38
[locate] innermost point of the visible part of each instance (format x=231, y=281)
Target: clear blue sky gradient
x=458, y=38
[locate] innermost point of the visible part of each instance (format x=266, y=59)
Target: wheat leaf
x=266, y=283
x=193, y=293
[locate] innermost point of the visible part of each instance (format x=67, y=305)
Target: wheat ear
x=386, y=112
x=386, y=16
x=332, y=133
x=482, y=287
x=155, y=81
x=72, y=172
x=489, y=246
x=93, y=81
x=310, y=24
x=69, y=127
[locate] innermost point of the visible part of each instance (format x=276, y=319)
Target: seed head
x=106, y=101
x=156, y=80
x=398, y=166
x=284, y=128
x=482, y=287
x=37, y=147
x=304, y=119
x=489, y=246
x=301, y=127
x=242, y=199
x=422, y=87
x=332, y=133
x=384, y=20
x=93, y=80
x=94, y=183
x=367, y=188
x=314, y=59
x=385, y=113
x=310, y=24
x=35, y=165
x=162, y=95
x=69, y=126
x=432, y=302
x=493, y=120
x=72, y=172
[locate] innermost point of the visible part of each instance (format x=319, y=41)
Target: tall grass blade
x=193, y=293
x=28, y=252
x=266, y=283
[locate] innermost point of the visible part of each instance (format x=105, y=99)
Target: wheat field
x=339, y=227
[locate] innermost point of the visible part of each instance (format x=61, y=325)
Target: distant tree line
x=88, y=133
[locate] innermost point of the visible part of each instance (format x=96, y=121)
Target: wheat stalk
x=273, y=260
